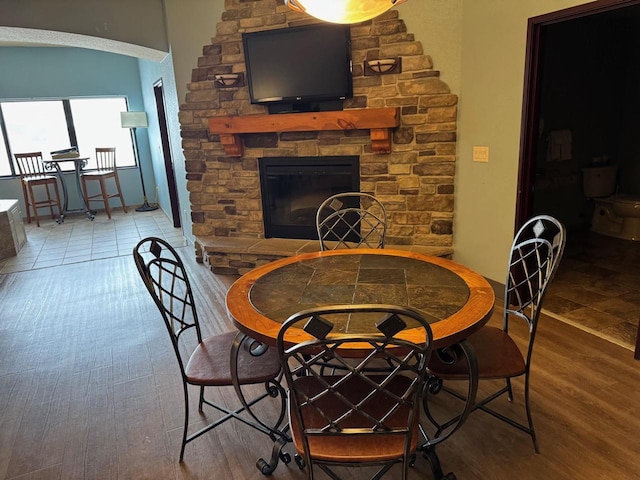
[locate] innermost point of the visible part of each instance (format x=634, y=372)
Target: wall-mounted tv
x=298, y=69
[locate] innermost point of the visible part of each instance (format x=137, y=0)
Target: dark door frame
x=158, y=92
x=531, y=95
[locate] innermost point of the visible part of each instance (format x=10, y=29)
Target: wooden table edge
x=445, y=332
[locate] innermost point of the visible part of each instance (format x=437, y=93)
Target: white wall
x=494, y=36
x=191, y=24
x=139, y=22
x=437, y=24
x=489, y=39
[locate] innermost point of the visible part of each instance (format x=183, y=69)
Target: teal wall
x=54, y=72
x=150, y=74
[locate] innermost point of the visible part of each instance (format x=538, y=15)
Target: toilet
x=613, y=215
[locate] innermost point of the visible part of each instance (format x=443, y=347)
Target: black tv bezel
x=295, y=103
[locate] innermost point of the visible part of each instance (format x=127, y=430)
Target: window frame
x=71, y=129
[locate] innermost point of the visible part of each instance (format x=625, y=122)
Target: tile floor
x=79, y=240
x=597, y=287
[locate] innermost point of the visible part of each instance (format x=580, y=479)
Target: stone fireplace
x=414, y=180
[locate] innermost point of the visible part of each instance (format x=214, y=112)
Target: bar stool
x=32, y=173
x=106, y=160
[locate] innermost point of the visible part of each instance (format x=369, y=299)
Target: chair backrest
x=535, y=255
x=166, y=280
x=30, y=164
x=106, y=159
x=351, y=220
x=374, y=381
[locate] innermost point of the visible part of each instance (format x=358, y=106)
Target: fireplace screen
x=294, y=187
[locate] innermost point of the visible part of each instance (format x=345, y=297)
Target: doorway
x=581, y=75
x=158, y=92
x=582, y=95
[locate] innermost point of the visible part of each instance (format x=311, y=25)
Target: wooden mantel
x=380, y=122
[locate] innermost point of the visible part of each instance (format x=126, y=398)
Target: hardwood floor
x=89, y=389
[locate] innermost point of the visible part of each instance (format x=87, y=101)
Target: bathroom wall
x=590, y=87
x=628, y=143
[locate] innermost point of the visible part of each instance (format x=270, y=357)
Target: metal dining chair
x=33, y=174
x=206, y=362
x=356, y=415
x=106, y=169
x=534, y=258
x=351, y=220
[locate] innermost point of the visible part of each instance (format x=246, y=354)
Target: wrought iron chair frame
x=304, y=364
x=369, y=228
x=536, y=252
x=176, y=304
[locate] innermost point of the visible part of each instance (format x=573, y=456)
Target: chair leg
x=124, y=207
x=27, y=201
x=49, y=199
x=85, y=192
x=529, y=418
x=509, y=390
x=105, y=197
x=186, y=421
x=33, y=205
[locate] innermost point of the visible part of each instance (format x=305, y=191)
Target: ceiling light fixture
x=343, y=11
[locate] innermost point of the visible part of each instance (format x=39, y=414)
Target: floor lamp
x=134, y=120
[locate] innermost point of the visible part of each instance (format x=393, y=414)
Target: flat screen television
x=299, y=69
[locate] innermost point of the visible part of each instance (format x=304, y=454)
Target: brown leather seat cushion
x=498, y=357
x=209, y=364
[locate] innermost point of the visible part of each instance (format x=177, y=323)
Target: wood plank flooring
x=89, y=389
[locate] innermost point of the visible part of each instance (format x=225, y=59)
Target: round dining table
x=455, y=300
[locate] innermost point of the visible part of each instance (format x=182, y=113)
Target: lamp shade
x=343, y=11
x=133, y=119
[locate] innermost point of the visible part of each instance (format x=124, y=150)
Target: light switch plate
x=480, y=154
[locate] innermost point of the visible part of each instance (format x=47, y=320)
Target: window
x=97, y=124
x=48, y=125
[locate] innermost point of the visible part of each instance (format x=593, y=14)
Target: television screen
x=299, y=65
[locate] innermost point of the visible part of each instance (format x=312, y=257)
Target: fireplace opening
x=294, y=187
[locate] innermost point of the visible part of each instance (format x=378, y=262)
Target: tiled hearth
x=239, y=255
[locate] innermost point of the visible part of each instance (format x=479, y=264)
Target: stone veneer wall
x=414, y=182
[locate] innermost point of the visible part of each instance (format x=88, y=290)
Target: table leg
x=446, y=429
x=90, y=213
x=65, y=193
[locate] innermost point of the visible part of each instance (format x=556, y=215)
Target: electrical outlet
x=480, y=154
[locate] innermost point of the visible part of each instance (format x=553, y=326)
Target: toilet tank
x=599, y=181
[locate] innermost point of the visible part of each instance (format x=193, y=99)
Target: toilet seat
x=626, y=199
x=617, y=216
